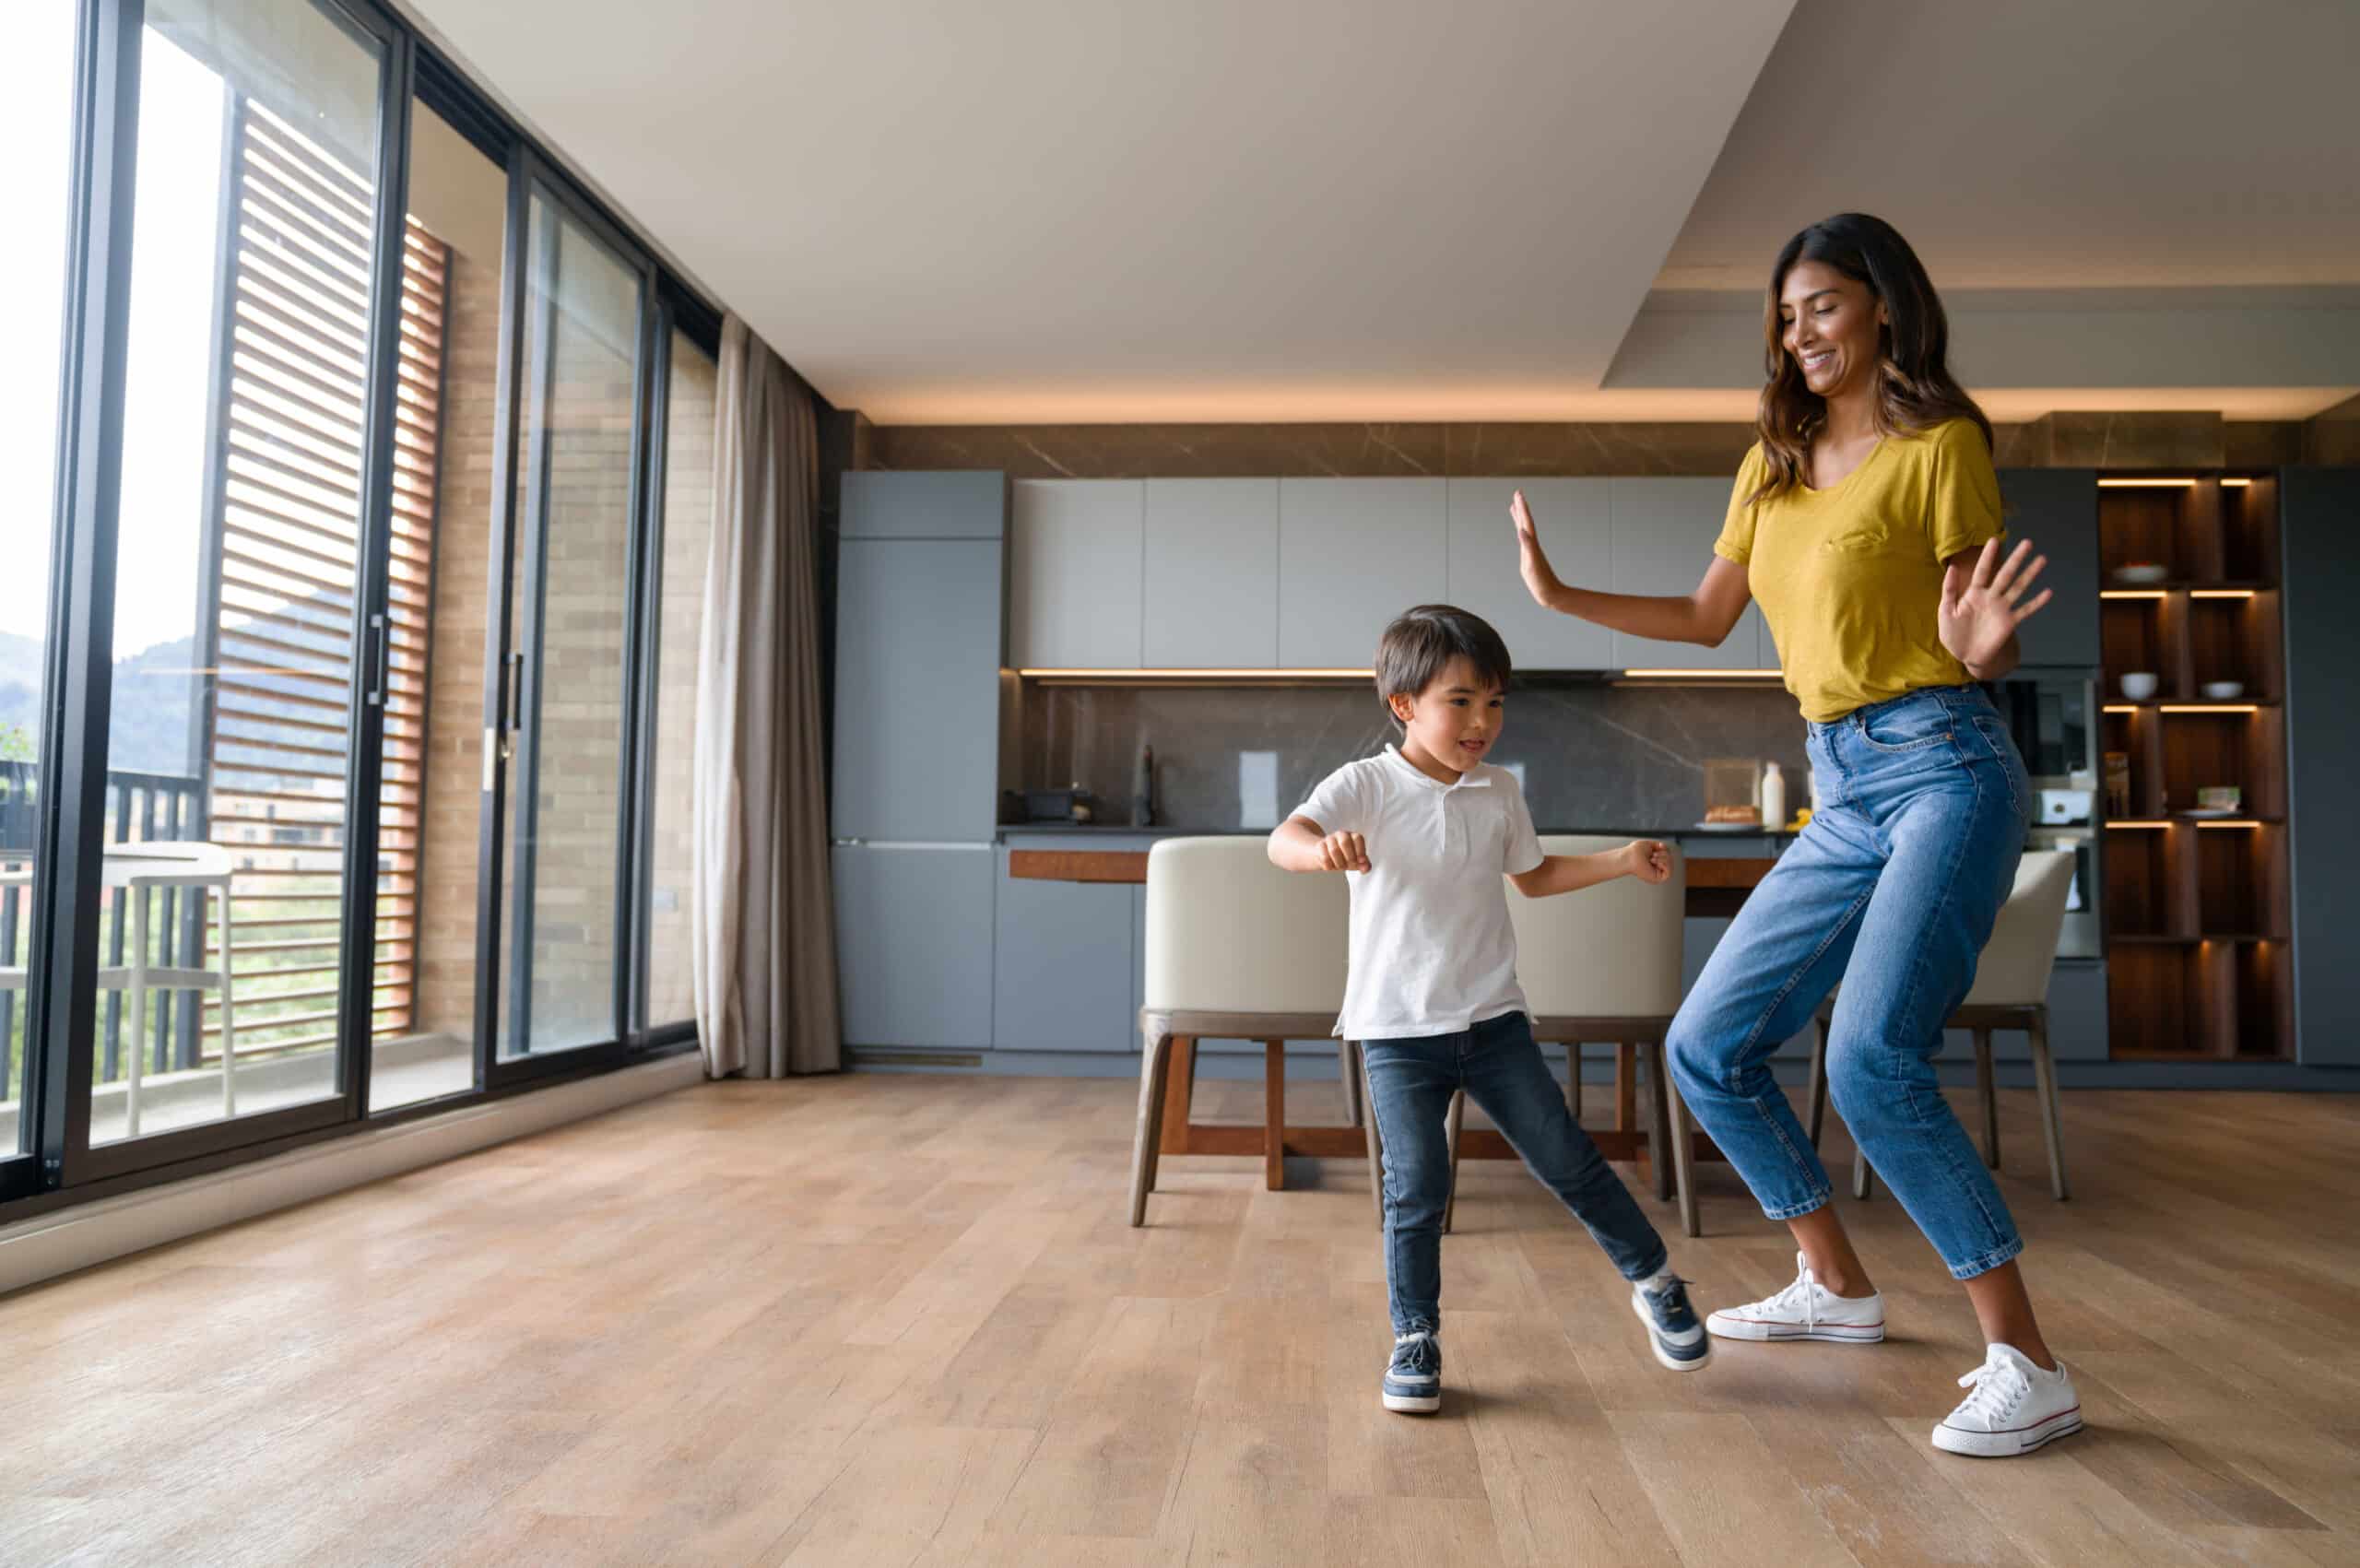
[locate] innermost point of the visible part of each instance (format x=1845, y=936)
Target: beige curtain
x=764, y=935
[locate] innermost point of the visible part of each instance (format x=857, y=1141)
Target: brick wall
x=446, y=932
x=688, y=538
x=580, y=675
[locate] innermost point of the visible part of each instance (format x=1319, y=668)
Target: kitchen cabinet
x=914, y=944
x=1074, y=573
x=2317, y=510
x=918, y=689
x=1353, y=554
x=1211, y=574
x=945, y=504
x=2057, y=509
x=1573, y=517
x=1069, y=958
x=1662, y=532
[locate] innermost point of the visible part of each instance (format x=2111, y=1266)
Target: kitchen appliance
x=2053, y=718
x=1073, y=804
x=2061, y=808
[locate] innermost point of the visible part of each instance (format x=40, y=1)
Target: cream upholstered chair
x=2010, y=991
x=1236, y=949
x=1601, y=966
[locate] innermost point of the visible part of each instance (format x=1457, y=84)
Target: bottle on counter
x=1143, y=789
x=1773, y=797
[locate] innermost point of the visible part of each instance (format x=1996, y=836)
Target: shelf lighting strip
x=2134, y=593
x=2234, y=822
x=2212, y=707
x=1704, y=675
x=2219, y=593
x=2146, y=484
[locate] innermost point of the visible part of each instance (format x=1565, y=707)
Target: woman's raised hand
x=1531, y=561
x=1979, y=612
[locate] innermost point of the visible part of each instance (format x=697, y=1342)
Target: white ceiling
x=1317, y=210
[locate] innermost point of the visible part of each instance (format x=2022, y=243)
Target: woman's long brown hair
x=1914, y=388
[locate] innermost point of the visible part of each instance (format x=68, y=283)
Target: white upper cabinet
x=1662, y=533
x=1075, y=573
x=1353, y=554
x=1572, y=516
x=1212, y=574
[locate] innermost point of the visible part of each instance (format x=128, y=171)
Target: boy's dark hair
x=1423, y=640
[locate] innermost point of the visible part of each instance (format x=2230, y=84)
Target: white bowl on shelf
x=2144, y=573
x=2223, y=690
x=2140, y=684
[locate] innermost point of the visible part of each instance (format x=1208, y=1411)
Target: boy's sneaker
x=1673, y=1333
x=2015, y=1408
x=1414, y=1381
x=1804, y=1309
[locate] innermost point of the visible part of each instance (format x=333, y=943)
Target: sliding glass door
x=252, y=656
x=563, y=676
x=333, y=513
x=36, y=189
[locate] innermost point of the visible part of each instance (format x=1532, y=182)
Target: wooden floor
x=900, y=1320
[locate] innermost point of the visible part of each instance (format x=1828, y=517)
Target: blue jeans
x=1409, y=1085
x=1892, y=889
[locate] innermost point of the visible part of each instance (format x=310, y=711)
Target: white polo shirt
x=1432, y=949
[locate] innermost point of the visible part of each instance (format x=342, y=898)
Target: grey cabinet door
x=917, y=689
x=1573, y=517
x=2057, y=509
x=914, y=944
x=1662, y=536
x=958, y=504
x=1353, y=554
x=1073, y=574
x=1212, y=598
x=2318, y=509
x=1063, y=965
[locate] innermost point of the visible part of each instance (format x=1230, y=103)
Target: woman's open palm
x=1531, y=561
x=1981, y=609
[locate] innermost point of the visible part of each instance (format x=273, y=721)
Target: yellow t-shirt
x=1850, y=577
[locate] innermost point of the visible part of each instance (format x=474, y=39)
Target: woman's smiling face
x=1829, y=324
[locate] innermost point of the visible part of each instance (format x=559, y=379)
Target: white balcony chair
x=136, y=871
x=2010, y=991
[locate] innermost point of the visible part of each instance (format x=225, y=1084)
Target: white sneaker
x=2015, y=1408
x=1804, y=1309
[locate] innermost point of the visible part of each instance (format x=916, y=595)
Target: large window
x=37, y=126
x=687, y=540
x=353, y=573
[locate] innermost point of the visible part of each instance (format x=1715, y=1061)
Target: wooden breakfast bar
x=1716, y=887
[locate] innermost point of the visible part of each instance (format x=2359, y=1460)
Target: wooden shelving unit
x=2198, y=927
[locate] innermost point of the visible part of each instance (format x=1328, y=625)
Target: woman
x=1866, y=520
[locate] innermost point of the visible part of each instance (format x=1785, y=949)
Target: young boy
x=1425, y=833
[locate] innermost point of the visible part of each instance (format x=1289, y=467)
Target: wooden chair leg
x=1989, y=1092
x=1350, y=1081
x=1146, y=1141
x=1450, y=1134
x=1574, y=1081
x=1659, y=1119
x=1815, y=1098
x=1626, y=1086
x=1862, y=1181
x=1179, y=1095
x=1369, y=1127
x=2044, y=1072
x=1274, y=1115
x=1683, y=1174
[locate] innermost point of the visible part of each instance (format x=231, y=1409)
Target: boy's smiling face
x=1453, y=724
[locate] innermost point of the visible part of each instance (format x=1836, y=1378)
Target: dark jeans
x=1410, y=1082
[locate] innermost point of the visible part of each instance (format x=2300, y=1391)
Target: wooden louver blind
x=290, y=415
